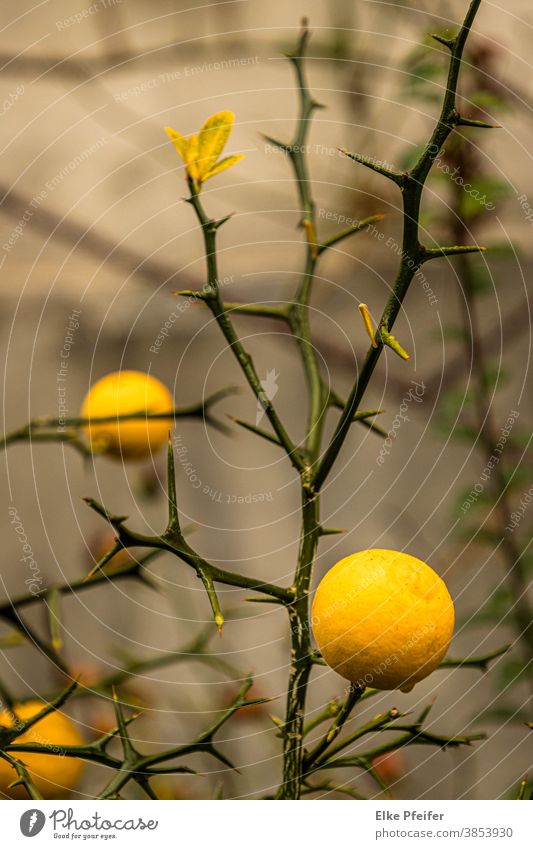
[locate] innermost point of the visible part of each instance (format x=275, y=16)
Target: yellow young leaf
x=225, y=163
x=179, y=141
x=212, y=140
x=200, y=152
x=191, y=157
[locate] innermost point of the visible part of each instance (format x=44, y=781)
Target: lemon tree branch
x=411, y=184
x=173, y=541
x=50, y=429
x=211, y=296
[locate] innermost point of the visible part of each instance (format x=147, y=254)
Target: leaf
x=200, y=152
x=224, y=164
x=191, y=157
x=187, y=148
x=212, y=140
x=179, y=141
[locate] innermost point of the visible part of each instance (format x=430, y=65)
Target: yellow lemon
x=118, y=394
x=54, y=775
x=383, y=619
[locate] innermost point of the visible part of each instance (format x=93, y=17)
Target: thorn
x=361, y=415
x=391, y=341
x=522, y=789
x=209, y=585
x=324, y=532
x=460, y=121
x=189, y=293
x=263, y=600
x=18, y=782
x=374, y=165
x=449, y=250
x=279, y=723
x=101, y=510
x=447, y=42
x=423, y=716
x=282, y=146
x=367, y=321
x=356, y=228
x=253, y=429
x=222, y=221
x=310, y=233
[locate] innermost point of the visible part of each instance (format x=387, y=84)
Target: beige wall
x=85, y=156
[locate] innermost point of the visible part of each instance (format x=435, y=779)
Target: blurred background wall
x=92, y=219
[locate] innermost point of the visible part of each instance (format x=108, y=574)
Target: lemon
x=54, y=775
x=118, y=394
x=382, y=619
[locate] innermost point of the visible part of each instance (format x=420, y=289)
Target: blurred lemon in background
x=118, y=394
x=54, y=775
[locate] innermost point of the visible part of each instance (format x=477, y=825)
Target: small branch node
x=392, y=343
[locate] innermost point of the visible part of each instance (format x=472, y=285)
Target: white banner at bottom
x=225, y=824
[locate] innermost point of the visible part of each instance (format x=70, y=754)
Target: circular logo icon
x=32, y=822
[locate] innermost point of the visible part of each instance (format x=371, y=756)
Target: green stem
x=301, y=652
x=301, y=648
x=354, y=695
x=299, y=312
x=299, y=323
x=211, y=296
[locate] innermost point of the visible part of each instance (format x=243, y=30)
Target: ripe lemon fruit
x=382, y=619
x=54, y=775
x=118, y=394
